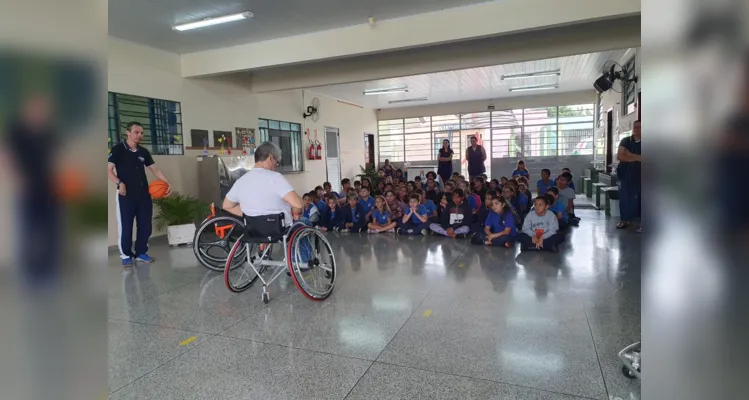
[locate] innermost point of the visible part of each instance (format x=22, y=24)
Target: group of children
x=494, y=213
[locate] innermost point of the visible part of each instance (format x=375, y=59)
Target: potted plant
x=369, y=172
x=178, y=213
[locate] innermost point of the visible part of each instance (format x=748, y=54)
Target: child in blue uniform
x=557, y=207
x=381, y=217
x=332, y=219
x=366, y=202
x=311, y=213
x=353, y=215
x=500, y=228
x=415, y=220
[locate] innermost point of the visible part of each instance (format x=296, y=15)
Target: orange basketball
x=158, y=189
x=70, y=184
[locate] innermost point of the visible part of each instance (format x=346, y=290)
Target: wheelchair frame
x=290, y=262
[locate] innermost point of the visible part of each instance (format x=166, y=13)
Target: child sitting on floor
x=567, y=196
x=332, y=219
x=311, y=213
x=318, y=200
x=470, y=198
x=540, y=228
x=429, y=204
x=483, y=212
x=499, y=227
x=543, y=184
x=366, y=202
x=455, y=216
x=557, y=208
x=414, y=221
x=354, y=217
x=357, y=186
x=381, y=221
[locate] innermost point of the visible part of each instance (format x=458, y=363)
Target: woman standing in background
x=445, y=168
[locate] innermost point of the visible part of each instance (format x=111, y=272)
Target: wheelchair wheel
x=240, y=276
x=311, y=263
x=214, y=240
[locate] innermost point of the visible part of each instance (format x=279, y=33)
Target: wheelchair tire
x=241, y=276
x=319, y=264
x=216, y=261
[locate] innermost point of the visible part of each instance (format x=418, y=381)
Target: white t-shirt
x=260, y=192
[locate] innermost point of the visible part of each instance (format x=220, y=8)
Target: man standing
x=628, y=174
x=475, y=156
x=127, y=169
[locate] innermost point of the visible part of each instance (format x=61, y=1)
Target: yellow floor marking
x=462, y=265
x=427, y=313
x=188, y=341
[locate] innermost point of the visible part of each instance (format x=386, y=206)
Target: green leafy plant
x=371, y=173
x=88, y=213
x=178, y=209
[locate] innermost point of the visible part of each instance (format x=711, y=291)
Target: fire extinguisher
x=318, y=152
x=312, y=151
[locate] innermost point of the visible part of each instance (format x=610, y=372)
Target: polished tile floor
x=410, y=318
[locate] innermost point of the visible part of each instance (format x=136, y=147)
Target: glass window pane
x=274, y=124
x=475, y=120
x=506, y=142
x=540, y=116
x=449, y=122
x=419, y=147
x=296, y=127
x=284, y=126
x=506, y=118
x=539, y=140
x=262, y=123
x=418, y=125
x=576, y=139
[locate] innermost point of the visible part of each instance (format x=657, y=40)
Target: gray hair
x=267, y=149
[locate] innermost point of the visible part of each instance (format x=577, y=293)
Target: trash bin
x=614, y=203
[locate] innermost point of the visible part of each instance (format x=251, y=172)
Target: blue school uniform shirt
x=498, y=223
x=545, y=186
x=381, y=218
x=367, y=204
x=558, y=207
x=522, y=201
x=471, y=202
x=422, y=211
x=321, y=206
x=521, y=173
x=307, y=210
x=430, y=207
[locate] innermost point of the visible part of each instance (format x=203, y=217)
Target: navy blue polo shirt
x=131, y=166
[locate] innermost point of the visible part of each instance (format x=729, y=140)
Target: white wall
x=223, y=103
x=613, y=98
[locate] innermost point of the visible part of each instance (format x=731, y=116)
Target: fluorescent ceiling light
x=386, y=91
x=528, y=88
x=407, y=100
x=213, y=21
x=532, y=75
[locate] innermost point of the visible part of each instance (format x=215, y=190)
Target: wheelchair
x=307, y=257
x=215, y=237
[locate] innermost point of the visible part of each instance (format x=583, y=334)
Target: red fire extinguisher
x=312, y=152
x=318, y=152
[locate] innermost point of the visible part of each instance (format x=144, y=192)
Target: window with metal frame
x=629, y=87
x=287, y=136
x=601, y=111
x=161, y=120
x=543, y=131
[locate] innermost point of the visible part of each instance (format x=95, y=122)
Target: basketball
x=158, y=189
x=70, y=184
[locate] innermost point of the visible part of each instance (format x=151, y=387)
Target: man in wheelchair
x=272, y=212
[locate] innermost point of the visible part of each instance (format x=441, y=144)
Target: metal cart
x=631, y=358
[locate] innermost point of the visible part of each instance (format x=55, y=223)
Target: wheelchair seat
x=264, y=228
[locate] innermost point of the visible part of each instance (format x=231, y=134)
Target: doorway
x=332, y=158
x=369, y=150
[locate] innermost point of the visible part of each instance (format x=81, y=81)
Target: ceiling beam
x=427, y=29
x=535, y=45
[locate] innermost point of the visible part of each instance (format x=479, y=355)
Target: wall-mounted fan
x=313, y=110
x=612, y=72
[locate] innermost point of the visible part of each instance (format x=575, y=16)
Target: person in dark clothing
x=29, y=154
x=354, y=216
x=455, y=216
x=628, y=174
x=332, y=218
x=445, y=159
x=127, y=165
x=475, y=157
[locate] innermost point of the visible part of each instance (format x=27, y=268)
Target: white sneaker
x=424, y=232
x=391, y=230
